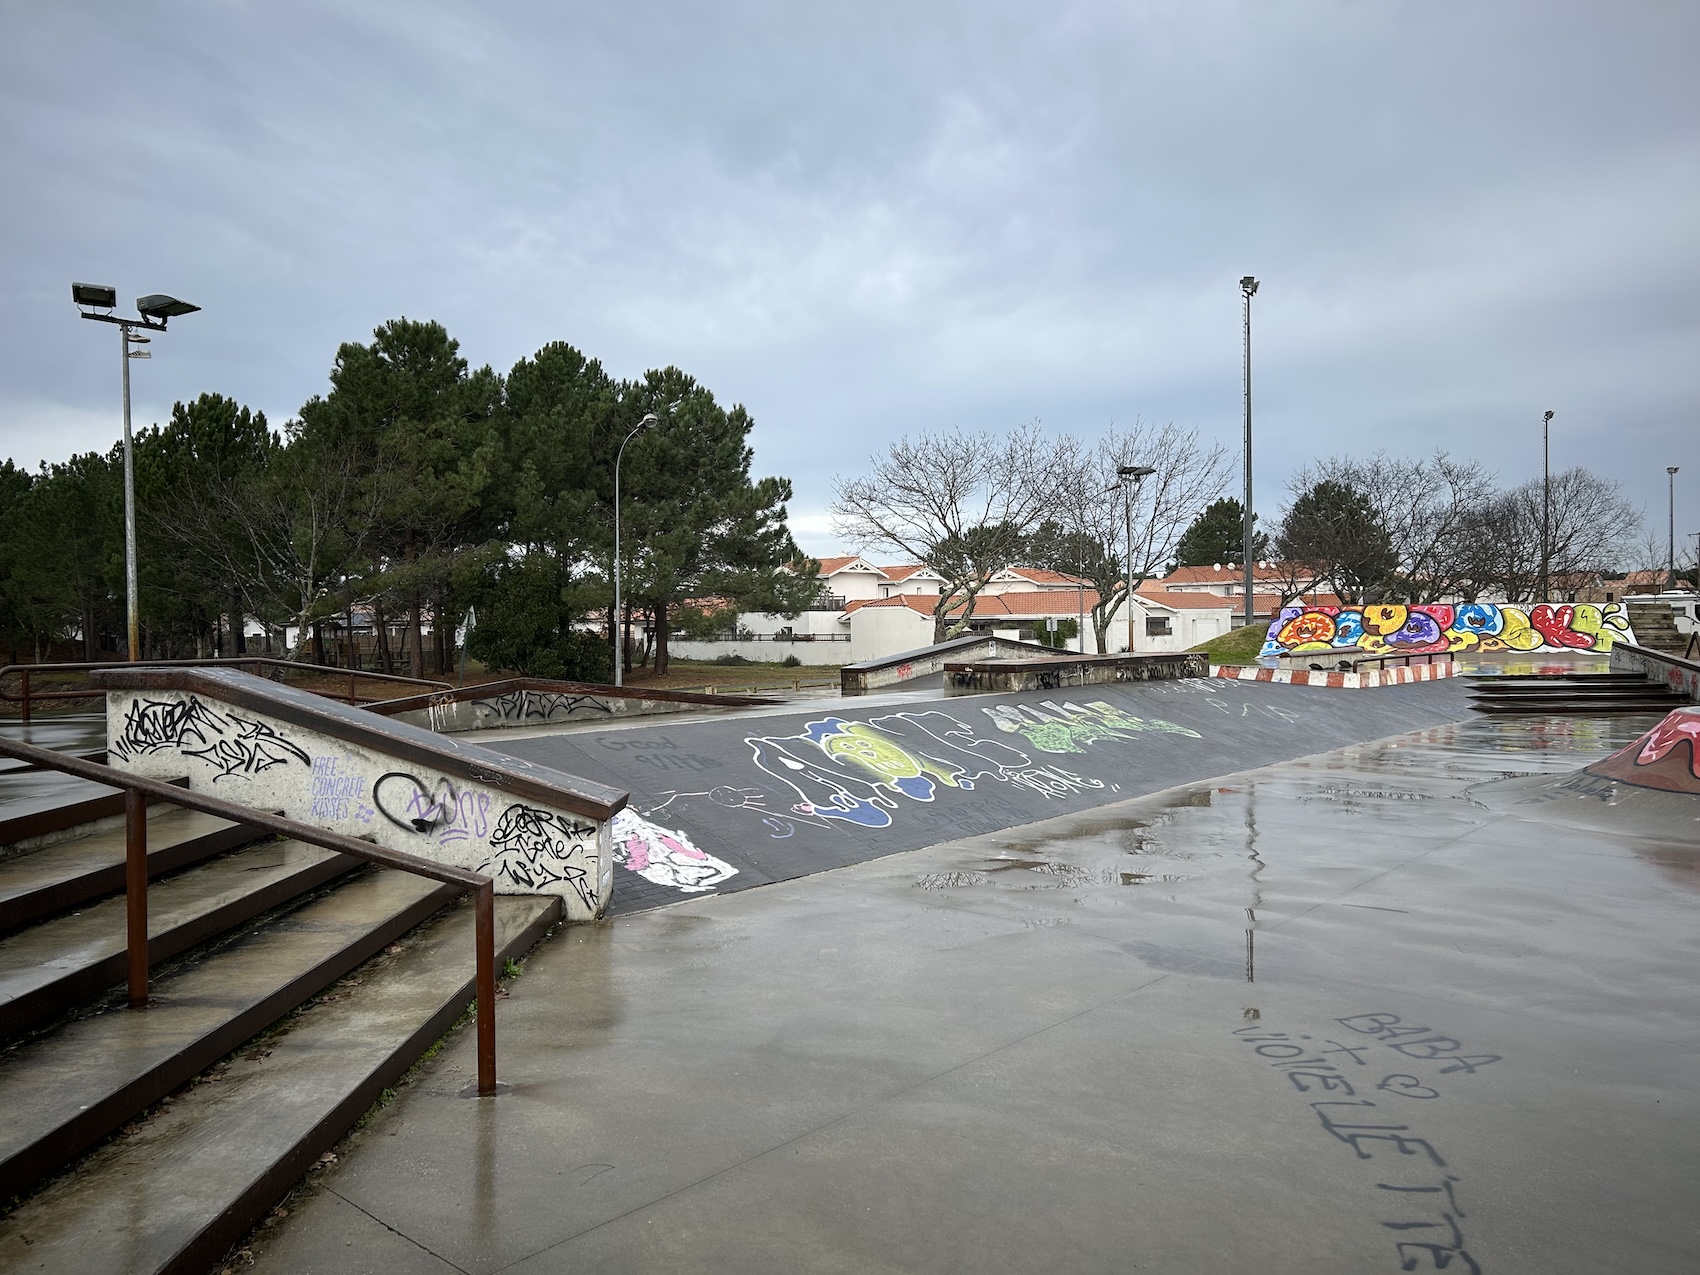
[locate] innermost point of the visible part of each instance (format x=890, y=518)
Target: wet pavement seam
x=394, y=1230
x=1463, y=836
x=839, y=1119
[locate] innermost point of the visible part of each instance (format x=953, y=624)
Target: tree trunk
x=415, y=641
x=661, y=639
x=381, y=636
x=237, y=625
x=626, y=638
x=318, y=642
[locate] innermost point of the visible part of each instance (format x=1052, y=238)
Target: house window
x=1157, y=626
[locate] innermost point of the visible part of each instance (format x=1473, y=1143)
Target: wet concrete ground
x=1352, y=1013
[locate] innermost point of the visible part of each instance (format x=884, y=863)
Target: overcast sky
x=865, y=219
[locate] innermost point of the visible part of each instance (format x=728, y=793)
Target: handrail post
x=484, y=905
x=136, y=893
x=26, y=690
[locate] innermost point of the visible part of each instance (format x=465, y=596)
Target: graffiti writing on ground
x=232, y=745
x=846, y=773
x=1339, y=1077
x=1666, y=757
x=1474, y=626
x=538, y=848
x=435, y=807
x=665, y=856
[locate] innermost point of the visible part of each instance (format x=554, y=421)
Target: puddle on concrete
x=1282, y=828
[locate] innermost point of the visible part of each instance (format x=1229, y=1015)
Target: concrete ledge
x=363, y=727
x=1347, y=681
x=905, y=666
x=1051, y=672
x=1682, y=676
x=534, y=701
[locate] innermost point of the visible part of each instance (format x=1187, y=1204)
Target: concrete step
x=52, y=967
x=73, y=808
x=65, y=1091
x=70, y=873
x=177, y=1193
x=1590, y=709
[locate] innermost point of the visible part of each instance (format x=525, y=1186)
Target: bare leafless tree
x=1423, y=505
x=960, y=503
x=1593, y=528
x=1091, y=504
x=288, y=535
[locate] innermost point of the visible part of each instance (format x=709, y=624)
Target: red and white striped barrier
x=1350, y=681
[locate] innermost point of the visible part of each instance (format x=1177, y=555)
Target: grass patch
x=1236, y=646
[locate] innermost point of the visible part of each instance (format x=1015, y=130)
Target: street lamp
x=614, y=621
x=1248, y=286
x=1670, y=577
x=156, y=310
x=1546, y=508
x=1126, y=475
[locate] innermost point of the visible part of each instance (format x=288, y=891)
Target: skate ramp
x=730, y=803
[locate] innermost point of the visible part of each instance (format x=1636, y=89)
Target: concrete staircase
x=1655, y=627
x=1572, y=694
x=292, y=986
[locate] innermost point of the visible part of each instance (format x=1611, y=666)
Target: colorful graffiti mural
x=1431, y=628
x=1666, y=757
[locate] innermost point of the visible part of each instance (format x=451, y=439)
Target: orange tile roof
x=1226, y=573
x=1039, y=575
x=829, y=565
x=988, y=606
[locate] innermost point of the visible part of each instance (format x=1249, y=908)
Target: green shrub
x=791, y=661
x=734, y=658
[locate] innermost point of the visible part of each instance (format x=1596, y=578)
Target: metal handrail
x=137, y=791
x=24, y=671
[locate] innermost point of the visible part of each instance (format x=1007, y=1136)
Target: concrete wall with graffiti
x=1475, y=626
x=262, y=762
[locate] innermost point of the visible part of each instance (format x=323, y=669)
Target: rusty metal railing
x=26, y=694
x=138, y=791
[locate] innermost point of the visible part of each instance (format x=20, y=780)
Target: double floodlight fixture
x=156, y=308
x=1248, y=285
x=1134, y=471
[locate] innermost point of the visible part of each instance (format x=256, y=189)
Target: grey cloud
x=860, y=220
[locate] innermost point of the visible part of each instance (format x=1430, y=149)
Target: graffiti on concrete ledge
x=538, y=848
x=1430, y=629
x=528, y=707
x=665, y=856
x=231, y=744
x=436, y=808
x=1666, y=757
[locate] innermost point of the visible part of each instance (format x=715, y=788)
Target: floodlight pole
x=1670, y=577
x=1546, y=507
x=132, y=589
x=157, y=310
x=1248, y=286
x=616, y=621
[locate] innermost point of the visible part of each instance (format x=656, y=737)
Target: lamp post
x=156, y=310
x=1248, y=286
x=1546, y=508
x=615, y=621
x=1670, y=576
x=1128, y=478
